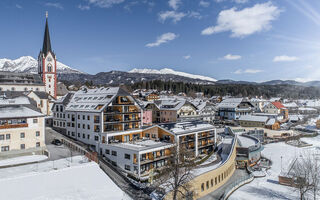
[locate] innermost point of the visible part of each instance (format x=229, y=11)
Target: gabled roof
x=278, y=104
x=230, y=103
x=95, y=99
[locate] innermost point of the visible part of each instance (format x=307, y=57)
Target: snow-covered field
x=267, y=188
x=22, y=159
x=83, y=180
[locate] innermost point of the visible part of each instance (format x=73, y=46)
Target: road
x=57, y=152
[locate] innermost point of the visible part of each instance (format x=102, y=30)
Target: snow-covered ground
x=56, y=180
x=22, y=159
x=267, y=188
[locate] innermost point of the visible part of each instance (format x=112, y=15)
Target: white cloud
x=245, y=22
x=174, y=4
x=285, y=58
x=105, y=3
x=247, y=71
x=55, y=5
x=173, y=15
x=187, y=57
x=18, y=6
x=83, y=7
x=194, y=14
x=241, y=1
x=204, y=3
x=164, y=38
x=232, y=57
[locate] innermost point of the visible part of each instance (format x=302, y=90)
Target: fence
x=235, y=185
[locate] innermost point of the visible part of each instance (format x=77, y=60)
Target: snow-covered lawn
x=267, y=188
x=22, y=159
x=56, y=180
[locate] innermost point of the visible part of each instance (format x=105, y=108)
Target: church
x=44, y=81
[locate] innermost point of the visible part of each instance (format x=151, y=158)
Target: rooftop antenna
x=47, y=14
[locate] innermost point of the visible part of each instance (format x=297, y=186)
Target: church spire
x=46, y=41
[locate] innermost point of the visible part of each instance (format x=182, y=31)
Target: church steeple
x=47, y=63
x=46, y=47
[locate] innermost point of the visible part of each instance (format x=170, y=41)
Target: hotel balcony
x=8, y=126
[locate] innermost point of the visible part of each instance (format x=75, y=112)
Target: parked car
x=56, y=142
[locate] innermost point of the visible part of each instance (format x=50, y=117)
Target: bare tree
x=315, y=175
x=177, y=174
x=303, y=172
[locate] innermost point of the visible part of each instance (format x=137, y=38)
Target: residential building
x=164, y=111
x=253, y=121
x=44, y=101
x=92, y=113
x=276, y=108
x=58, y=110
x=233, y=108
x=22, y=127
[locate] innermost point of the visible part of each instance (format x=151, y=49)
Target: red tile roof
x=278, y=104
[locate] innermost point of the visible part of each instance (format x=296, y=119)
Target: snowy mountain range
x=28, y=64
x=171, y=71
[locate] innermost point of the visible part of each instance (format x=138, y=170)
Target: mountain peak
x=171, y=71
x=28, y=64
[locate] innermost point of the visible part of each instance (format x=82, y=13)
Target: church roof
x=46, y=47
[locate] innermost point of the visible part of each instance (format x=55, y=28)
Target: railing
x=6, y=126
x=235, y=185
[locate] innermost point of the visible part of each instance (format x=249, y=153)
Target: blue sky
x=253, y=40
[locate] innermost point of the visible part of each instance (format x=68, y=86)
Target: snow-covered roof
x=94, y=99
x=187, y=127
x=253, y=118
x=143, y=145
x=18, y=111
x=230, y=103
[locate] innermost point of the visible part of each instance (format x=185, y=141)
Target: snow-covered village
x=130, y=118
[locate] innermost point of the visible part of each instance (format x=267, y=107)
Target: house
x=187, y=109
x=258, y=104
x=233, y=108
x=152, y=96
x=44, y=101
x=22, y=127
x=164, y=111
x=61, y=90
x=206, y=110
x=276, y=108
x=253, y=121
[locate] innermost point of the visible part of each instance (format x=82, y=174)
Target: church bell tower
x=47, y=64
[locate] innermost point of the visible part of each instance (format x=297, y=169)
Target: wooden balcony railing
x=7, y=126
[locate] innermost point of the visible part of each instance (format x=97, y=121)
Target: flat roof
x=143, y=145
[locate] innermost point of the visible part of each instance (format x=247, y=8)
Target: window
x=127, y=167
x=127, y=156
x=13, y=89
x=78, y=125
x=83, y=126
x=88, y=117
x=96, y=138
x=107, y=151
x=114, y=153
x=83, y=136
x=37, y=133
x=38, y=144
x=78, y=134
x=83, y=117
x=5, y=148
x=211, y=182
x=202, y=187
x=22, y=146
x=22, y=135
x=1, y=137
x=8, y=137
x=88, y=126
x=35, y=121
x=88, y=136
x=78, y=116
